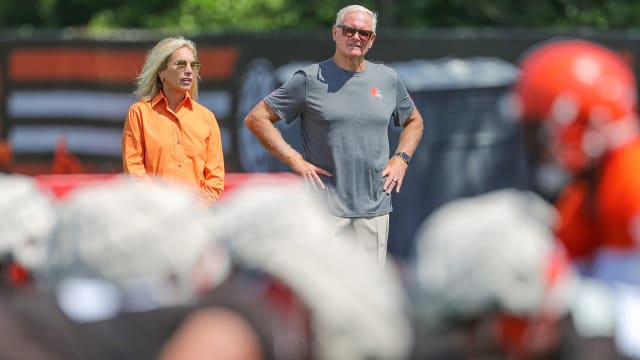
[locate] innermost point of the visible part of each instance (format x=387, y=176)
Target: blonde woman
x=167, y=133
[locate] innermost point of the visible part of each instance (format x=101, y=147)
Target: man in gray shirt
x=345, y=104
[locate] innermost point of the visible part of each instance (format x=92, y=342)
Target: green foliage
x=238, y=15
x=597, y=14
x=264, y=15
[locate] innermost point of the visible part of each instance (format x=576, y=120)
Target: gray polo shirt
x=345, y=118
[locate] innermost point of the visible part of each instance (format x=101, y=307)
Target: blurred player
x=135, y=268
x=32, y=327
x=331, y=299
x=28, y=218
x=578, y=102
x=491, y=281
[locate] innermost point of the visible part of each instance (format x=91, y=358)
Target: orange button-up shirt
x=183, y=146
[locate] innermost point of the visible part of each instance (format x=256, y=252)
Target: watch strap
x=404, y=156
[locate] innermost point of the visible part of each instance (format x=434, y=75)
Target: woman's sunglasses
x=182, y=64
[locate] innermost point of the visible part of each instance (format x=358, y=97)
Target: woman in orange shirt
x=167, y=133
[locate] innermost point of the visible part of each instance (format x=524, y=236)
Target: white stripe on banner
x=85, y=104
x=80, y=140
x=68, y=103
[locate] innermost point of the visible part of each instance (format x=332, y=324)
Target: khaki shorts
x=369, y=234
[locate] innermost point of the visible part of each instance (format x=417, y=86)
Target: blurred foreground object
x=32, y=327
x=505, y=240
x=489, y=265
x=356, y=309
x=133, y=246
x=490, y=279
x=28, y=218
x=126, y=263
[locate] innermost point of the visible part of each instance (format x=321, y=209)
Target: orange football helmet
x=585, y=96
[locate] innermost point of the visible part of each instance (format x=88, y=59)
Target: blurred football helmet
x=583, y=94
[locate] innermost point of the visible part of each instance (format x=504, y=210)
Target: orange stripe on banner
x=69, y=64
x=217, y=63
x=103, y=65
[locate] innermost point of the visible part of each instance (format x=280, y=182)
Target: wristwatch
x=404, y=156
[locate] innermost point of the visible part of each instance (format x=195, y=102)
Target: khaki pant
x=369, y=234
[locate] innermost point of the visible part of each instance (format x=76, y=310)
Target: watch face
x=404, y=156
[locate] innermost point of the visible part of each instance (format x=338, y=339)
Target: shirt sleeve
x=133, y=145
x=404, y=103
x=287, y=101
x=213, y=184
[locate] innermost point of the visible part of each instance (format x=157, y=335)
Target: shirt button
x=178, y=142
x=179, y=165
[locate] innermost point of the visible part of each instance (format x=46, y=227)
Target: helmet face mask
x=535, y=136
x=569, y=146
x=549, y=176
x=585, y=97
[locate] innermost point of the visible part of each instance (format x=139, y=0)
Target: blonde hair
x=148, y=81
x=357, y=8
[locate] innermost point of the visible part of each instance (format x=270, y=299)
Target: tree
x=265, y=15
x=597, y=14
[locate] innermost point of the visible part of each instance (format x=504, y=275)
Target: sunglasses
x=182, y=64
x=351, y=32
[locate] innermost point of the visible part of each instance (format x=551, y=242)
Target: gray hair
x=148, y=81
x=357, y=8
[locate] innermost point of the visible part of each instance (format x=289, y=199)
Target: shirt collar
x=188, y=102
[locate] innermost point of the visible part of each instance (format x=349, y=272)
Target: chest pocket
x=194, y=142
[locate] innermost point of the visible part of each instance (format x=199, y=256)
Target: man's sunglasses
x=182, y=64
x=351, y=32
